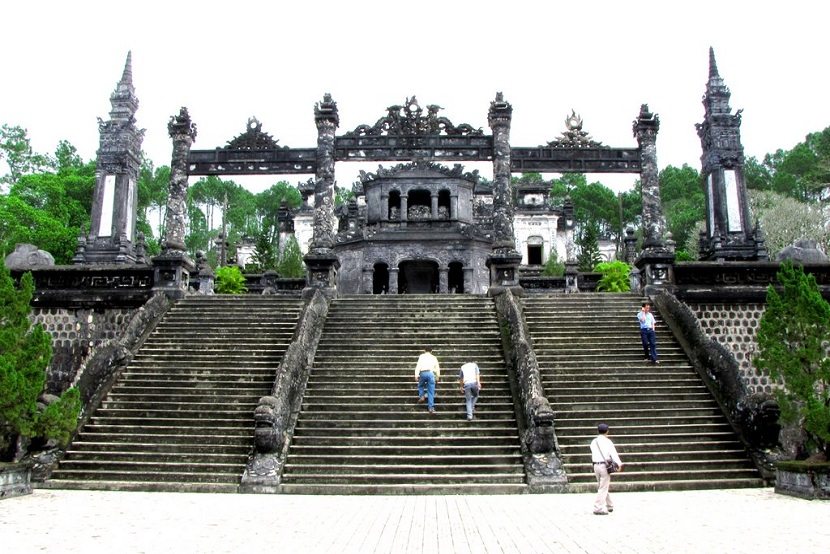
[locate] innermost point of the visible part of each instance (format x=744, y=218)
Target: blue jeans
x=471, y=397
x=426, y=380
x=649, y=343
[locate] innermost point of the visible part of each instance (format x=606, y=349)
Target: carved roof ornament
x=574, y=136
x=457, y=171
x=253, y=138
x=410, y=119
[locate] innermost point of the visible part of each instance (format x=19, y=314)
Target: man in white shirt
x=470, y=377
x=427, y=374
x=603, y=449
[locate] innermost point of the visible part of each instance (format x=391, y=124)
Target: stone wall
x=76, y=334
x=735, y=326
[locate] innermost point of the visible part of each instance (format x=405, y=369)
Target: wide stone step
x=87, y=448
x=426, y=424
x=152, y=473
x=402, y=478
x=394, y=441
x=581, y=450
x=678, y=471
x=621, y=431
x=466, y=429
x=84, y=457
x=391, y=458
x=217, y=436
x=186, y=412
x=407, y=469
x=402, y=489
x=132, y=381
x=181, y=426
x=341, y=385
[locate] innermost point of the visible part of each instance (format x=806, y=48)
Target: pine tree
x=793, y=349
x=588, y=242
x=291, y=261
x=25, y=352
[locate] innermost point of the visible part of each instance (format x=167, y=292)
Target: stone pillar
x=443, y=280
x=404, y=209
x=454, y=207
x=393, y=280
x=367, y=285
x=504, y=259
x=384, y=206
x=468, y=280
x=646, y=127
x=729, y=232
x=656, y=261
x=434, y=206
x=630, y=242
x=321, y=261
x=111, y=237
x=173, y=266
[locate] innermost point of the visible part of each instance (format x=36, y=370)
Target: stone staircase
x=667, y=427
x=180, y=417
x=361, y=429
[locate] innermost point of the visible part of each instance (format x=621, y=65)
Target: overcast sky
x=227, y=61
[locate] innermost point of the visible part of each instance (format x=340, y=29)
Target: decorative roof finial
x=713, y=66
x=127, y=76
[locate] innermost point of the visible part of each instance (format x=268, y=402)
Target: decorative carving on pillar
x=321, y=261
x=729, y=232
x=173, y=266
x=504, y=260
x=183, y=133
x=645, y=129
x=115, y=199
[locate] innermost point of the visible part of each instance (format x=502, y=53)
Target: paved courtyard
x=746, y=520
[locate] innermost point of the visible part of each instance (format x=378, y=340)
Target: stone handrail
x=276, y=414
x=753, y=416
x=542, y=463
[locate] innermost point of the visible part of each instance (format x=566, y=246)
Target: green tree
x=25, y=352
x=16, y=150
x=291, y=260
x=785, y=220
x=265, y=255
x=589, y=255
x=553, y=267
x=683, y=200
x=792, y=348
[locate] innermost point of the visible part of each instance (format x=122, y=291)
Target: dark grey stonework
x=28, y=256
x=543, y=463
x=111, y=237
x=729, y=232
x=276, y=414
x=416, y=232
x=753, y=415
x=646, y=127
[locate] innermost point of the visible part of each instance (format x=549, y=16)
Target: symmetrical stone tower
x=729, y=234
x=111, y=237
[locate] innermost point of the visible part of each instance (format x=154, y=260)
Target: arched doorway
x=455, y=278
x=418, y=277
x=380, y=278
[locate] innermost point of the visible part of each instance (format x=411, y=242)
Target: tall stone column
x=729, y=230
x=404, y=209
x=393, y=280
x=656, y=261
x=443, y=280
x=646, y=127
x=321, y=261
x=173, y=266
x=434, y=206
x=111, y=237
x=454, y=207
x=504, y=260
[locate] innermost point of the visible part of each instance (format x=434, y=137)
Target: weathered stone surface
x=28, y=256
x=803, y=251
x=15, y=479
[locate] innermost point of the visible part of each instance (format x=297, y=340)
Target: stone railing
x=754, y=416
x=586, y=282
x=539, y=447
x=276, y=414
x=100, y=287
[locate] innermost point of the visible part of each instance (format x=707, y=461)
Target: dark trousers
x=649, y=339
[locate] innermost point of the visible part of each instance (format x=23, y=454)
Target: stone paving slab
x=734, y=521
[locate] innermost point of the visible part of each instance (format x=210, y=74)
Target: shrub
x=25, y=352
x=614, y=277
x=291, y=261
x=229, y=280
x=793, y=344
x=553, y=267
